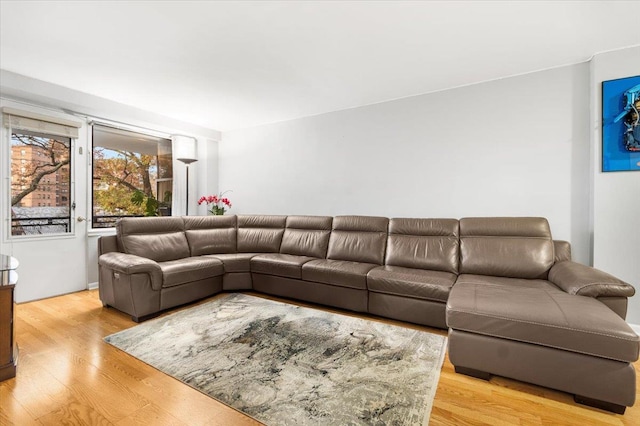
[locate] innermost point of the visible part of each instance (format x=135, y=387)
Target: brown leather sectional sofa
x=513, y=301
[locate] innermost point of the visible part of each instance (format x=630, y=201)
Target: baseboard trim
x=93, y=286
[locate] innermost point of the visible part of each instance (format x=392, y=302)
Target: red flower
x=216, y=200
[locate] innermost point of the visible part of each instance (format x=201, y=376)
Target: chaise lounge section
x=516, y=312
x=513, y=301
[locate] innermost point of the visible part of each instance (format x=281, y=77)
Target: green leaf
x=138, y=197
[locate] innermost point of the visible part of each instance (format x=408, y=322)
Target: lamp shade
x=185, y=148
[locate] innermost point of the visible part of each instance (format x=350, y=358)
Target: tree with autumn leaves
x=123, y=181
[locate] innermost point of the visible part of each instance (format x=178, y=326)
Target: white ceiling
x=229, y=65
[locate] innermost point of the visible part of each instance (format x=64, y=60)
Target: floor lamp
x=185, y=148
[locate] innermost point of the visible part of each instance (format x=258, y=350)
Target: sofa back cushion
x=424, y=244
x=211, y=234
x=156, y=238
x=260, y=233
x=516, y=247
x=307, y=236
x=358, y=239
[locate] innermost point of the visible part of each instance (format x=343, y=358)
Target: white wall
x=517, y=146
x=616, y=196
x=207, y=172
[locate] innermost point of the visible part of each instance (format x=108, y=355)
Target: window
x=132, y=175
x=40, y=148
x=42, y=170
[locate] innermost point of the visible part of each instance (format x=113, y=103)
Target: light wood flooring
x=68, y=376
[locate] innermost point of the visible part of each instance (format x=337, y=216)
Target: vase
x=217, y=211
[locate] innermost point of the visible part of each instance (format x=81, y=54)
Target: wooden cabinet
x=8, y=347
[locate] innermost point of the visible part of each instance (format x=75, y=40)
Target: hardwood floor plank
x=68, y=375
x=84, y=378
x=150, y=414
x=11, y=411
x=460, y=414
x=75, y=413
x=36, y=390
x=188, y=404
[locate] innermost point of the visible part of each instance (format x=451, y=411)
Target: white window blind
x=40, y=123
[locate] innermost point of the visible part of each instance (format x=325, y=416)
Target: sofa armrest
x=132, y=264
x=575, y=278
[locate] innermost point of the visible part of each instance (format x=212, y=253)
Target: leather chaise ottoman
x=543, y=336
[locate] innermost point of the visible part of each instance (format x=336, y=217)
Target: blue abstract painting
x=621, y=124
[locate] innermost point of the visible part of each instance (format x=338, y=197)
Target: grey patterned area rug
x=288, y=365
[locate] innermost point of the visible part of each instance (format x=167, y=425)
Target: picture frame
x=621, y=124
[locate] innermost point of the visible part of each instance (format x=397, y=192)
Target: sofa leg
x=473, y=373
x=145, y=317
x=603, y=405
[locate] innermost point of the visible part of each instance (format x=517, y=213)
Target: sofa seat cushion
x=189, y=269
x=411, y=282
x=515, y=282
x=342, y=273
x=234, y=262
x=282, y=265
x=544, y=316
